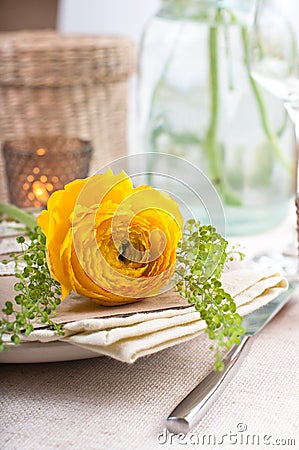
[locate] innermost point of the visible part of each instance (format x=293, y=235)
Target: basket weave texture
x=68, y=85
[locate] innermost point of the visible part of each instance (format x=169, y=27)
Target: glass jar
x=198, y=101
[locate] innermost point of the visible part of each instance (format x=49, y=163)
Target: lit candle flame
x=40, y=151
x=40, y=192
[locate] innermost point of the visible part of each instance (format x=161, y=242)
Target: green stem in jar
x=272, y=137
x=211, y=136
x=212, y=147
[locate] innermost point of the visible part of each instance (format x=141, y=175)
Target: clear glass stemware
x=274, y=64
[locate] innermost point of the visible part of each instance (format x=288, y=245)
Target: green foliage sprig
x=38, y=294
x=201, y=257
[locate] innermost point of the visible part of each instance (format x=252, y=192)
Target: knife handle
x=190, y=411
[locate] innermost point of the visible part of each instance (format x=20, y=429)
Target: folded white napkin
x=130, y=337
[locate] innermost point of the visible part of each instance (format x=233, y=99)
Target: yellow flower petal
x=109, y=241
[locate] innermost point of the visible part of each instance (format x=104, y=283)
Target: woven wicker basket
x=68, y=85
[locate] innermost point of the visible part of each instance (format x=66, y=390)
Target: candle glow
x=40, y=191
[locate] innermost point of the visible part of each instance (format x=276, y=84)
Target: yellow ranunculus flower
x=109, y=241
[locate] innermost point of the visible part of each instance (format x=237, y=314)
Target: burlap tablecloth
x=102, y=403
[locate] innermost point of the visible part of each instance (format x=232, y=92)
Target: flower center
x=131, y=253
x=122, y=256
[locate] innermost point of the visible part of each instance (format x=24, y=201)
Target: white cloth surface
x=129, y=338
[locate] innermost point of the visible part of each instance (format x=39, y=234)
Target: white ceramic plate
x=37, y=352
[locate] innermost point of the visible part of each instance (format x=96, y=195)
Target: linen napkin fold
x=130, y=337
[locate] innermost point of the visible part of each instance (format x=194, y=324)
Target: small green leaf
x=15, y=339
x=8, y=308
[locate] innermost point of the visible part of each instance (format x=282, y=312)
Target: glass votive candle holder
x=36, y=166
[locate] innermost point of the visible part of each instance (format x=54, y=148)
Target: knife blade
x=189, y=412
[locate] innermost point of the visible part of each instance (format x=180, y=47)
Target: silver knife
x=190, y=411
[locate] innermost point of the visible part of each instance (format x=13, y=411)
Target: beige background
x=27, y=14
